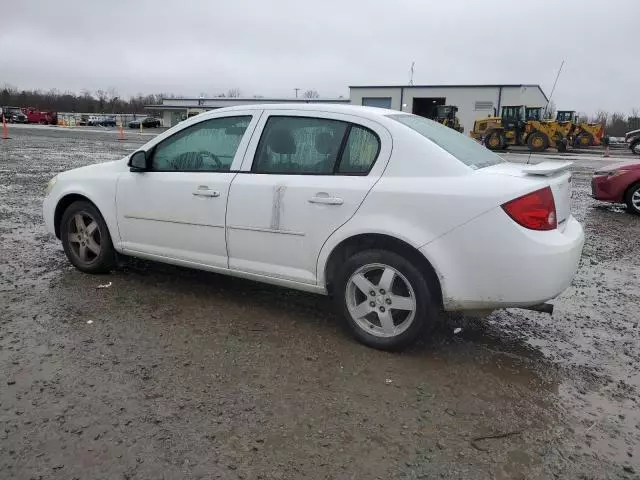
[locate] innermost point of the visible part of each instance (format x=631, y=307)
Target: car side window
x=360, y=152
x=299, y=145
x=209, y=146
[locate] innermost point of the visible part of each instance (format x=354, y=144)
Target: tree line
x=617, y=123
x=99, y=101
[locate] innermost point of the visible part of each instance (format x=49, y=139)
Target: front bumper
x=491, y=262
x=48, y=213
x=608, y=188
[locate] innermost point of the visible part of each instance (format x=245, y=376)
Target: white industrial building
x=473, y=101
x=174, y=110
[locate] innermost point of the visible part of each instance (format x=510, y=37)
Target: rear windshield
x=465, y=149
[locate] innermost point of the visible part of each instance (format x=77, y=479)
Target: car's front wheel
x=633, y=199
x=386, y=299
x=85, y=238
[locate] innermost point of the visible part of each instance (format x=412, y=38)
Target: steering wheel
x=212, y=156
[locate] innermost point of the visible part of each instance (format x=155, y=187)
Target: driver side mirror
x=138, y=161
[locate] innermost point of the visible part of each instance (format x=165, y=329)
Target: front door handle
x=326, y=200
x=204, y=191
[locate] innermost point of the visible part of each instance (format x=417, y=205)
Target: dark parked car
x=147, y=122
x=14, y=115
x=618, y=184
x=633, y=140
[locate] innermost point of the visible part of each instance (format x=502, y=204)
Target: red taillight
x=536, y=210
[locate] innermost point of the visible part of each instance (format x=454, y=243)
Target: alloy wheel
x=84, y=237
x=635, y=199
x=380, y=300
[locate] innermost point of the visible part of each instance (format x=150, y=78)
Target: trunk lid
x=553, y=174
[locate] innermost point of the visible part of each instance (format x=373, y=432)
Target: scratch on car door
x=277, y=208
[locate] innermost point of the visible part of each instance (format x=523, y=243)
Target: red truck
x=43, y=118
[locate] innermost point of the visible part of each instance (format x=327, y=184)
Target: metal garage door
x=381, y=102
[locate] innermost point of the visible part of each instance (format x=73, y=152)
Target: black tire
x=105, y=259
x=635, y=147
x=538, y=142
x=494, y=141
x=628, y=198
x=584, y=140
x=424, y=297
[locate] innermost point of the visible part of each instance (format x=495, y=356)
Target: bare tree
x=311, y=94
x=601, y=117
x=617, y=125
x=234, y=93
x=550, y=111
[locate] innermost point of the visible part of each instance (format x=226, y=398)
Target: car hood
x=95, y=169
x=620, y=166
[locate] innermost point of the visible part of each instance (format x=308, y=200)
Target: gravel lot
x=171, y=374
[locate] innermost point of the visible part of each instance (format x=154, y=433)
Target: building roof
x=258, y=99
x=325, y=107
x=488, y=85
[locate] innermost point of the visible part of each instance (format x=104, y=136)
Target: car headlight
x=50, y=184
x=609, y=173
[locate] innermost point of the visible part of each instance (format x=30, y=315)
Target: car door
x=176, y=208
x=303, y=177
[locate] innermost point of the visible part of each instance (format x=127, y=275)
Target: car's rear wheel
x=632, y=199
x=85, y=238
x=385, y=299
x=635, y=147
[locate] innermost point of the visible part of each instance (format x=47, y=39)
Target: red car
x=618, y=184
x=43, y=118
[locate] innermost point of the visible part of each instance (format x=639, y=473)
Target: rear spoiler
x=546, y=168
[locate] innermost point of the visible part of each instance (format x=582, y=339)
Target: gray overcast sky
x=269, y=47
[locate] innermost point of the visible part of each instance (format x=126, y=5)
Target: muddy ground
x=171, y=374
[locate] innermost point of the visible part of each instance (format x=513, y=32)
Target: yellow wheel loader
x=446, y=115
x=520, y=125
x=583, y=134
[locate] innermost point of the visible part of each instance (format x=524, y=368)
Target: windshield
x=468, y=151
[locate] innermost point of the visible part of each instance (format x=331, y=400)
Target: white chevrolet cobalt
x=394, y=215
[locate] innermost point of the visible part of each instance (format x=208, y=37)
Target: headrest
x=281, y=141
x=324, y=143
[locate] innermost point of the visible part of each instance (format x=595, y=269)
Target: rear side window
x=299, y=145
x=360, y=152
x=465, y=149
x=315, y=146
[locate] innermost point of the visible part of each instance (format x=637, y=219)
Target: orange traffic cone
x=5, y=129
x=121, y=133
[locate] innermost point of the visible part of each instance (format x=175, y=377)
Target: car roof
x=361, y=111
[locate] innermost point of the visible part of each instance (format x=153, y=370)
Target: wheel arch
x=364, y=241
x=64, y=203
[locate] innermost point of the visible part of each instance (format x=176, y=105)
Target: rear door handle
x=326, y=200
x=204, y=191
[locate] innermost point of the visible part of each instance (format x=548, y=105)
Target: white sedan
x=392, y=214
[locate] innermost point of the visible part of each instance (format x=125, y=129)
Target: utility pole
x=296, y=89
x=411, y=71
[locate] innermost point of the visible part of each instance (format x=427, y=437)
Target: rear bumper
x=491, y=262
